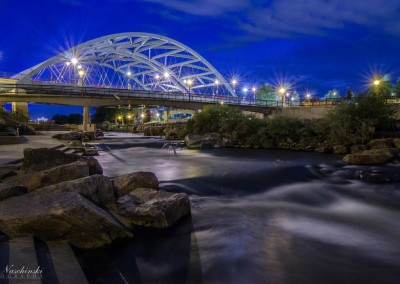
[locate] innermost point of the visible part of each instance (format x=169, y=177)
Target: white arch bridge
x=126, y=69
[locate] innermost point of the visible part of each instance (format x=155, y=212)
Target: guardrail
x=66, y=89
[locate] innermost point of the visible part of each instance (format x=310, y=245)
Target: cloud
x=204, y=7
x=292, y=18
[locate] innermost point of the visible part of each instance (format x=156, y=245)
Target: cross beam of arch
x=132, y=60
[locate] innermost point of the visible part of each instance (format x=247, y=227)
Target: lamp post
x=81, y=73
x=216, y=83
x=234, y=83
x=254, y=90
x=282, y=91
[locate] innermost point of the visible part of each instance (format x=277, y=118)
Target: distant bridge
x=128, y=69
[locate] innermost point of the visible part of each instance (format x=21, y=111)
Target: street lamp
x=216, y=83
x=234, y=83
x=282, y=90
x=166, y=75
x=254, y=91
x=189, y=82
x=377, y=82
x=129, y=73
x=74, y=60
x=81, y=73
x=157, y=76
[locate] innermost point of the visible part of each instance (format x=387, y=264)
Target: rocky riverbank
x=56, y=196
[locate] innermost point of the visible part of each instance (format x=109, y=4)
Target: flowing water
x=257, y=217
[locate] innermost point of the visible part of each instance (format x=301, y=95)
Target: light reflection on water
x=262, y=217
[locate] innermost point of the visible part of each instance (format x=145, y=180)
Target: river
x=258, y=216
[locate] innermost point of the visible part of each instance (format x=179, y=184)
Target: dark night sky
x=316, y=45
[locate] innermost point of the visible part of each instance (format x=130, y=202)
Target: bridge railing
x=45, y=88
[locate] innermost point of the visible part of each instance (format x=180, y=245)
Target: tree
x=267, y=93
x=295, y=99
x=348, y=94
x=332, y=94
x=396, y=89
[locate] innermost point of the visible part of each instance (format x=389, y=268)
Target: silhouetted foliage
x=73, y=118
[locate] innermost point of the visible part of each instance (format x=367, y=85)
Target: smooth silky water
x=257, y=217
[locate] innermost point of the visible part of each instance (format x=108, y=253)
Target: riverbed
x=258, y=216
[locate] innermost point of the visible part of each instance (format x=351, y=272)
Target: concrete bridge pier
x=21, y=108
x=87, y=124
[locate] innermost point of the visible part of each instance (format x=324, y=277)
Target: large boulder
x=129, y=182
x=357, y=149
x=146, y=207
x=366, y=159
x=381, y=143
x=59, y=216
x=193, y=140
x=196, y=141
x=75, y=144
x=7, y=190
x=97, y=188
x=396, y=143
x=393, y=152
x=341, y=149
x=35, y=180
x=44, y=158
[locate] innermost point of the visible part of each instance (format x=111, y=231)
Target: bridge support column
x=21, y=108
x=86, y=119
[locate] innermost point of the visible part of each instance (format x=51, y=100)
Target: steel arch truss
x=132, y=60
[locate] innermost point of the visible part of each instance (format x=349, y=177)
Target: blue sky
x=316, y=45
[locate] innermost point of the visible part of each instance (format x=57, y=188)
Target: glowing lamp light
x=189, y=82
x=334, y=93
x=253, y=89
x=234, y=82
x=129, y=73
x=158, y=114
x=221, y=103
x=216, y=82
x=245, y=90
x=282, y=90
x=79, y=66
x=81, y=73
x=68, y=63
x=129, y=117
x=377, y=82
x=142, y=115
x=157, y=76
x=166, y=75
x=119, y=117
x=74, y=60
x=308, y=96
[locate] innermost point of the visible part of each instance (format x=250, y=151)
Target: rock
x=396, y=142
x=59, y=216
x=206, y=145
x=193, y=140
x=146, y=207
x=227, y=142
x=35, y=180
x=214, y=138
x=129, y=182
x=392, y=152
x=357, y=149
x=366, y=159
x=45, y=158
x=7, y=191
x=90, y=152
x=97, y=188
x=171, y=134
x=376, y=176
x=75, y=143
x=381, y=143
x=323, y=150
x=341, y=149
x=94, y=166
